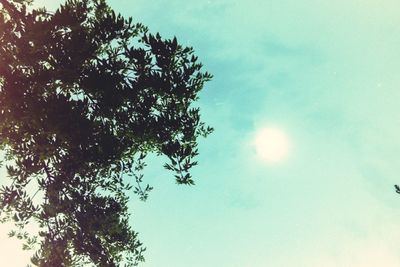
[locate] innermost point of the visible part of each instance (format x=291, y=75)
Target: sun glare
x=271, y=145
x=11, y=252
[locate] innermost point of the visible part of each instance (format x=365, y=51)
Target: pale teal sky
x=324, y=72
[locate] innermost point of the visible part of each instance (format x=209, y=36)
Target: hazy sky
x=300, y=169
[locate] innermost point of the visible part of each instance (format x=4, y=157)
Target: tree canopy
x=85, y=95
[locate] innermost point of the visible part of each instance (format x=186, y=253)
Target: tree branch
x=11, y=9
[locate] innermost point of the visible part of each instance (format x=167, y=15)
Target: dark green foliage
x=397, y=189
x=85, y=94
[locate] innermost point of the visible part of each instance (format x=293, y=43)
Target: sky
x=300, y=169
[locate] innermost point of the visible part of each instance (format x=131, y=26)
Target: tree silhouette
x=85, y=95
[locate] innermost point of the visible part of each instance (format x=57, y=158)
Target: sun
x=271, y=145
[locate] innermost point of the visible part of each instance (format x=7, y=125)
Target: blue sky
x=325, y=74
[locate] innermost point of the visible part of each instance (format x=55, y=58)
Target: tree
x=85, y=95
